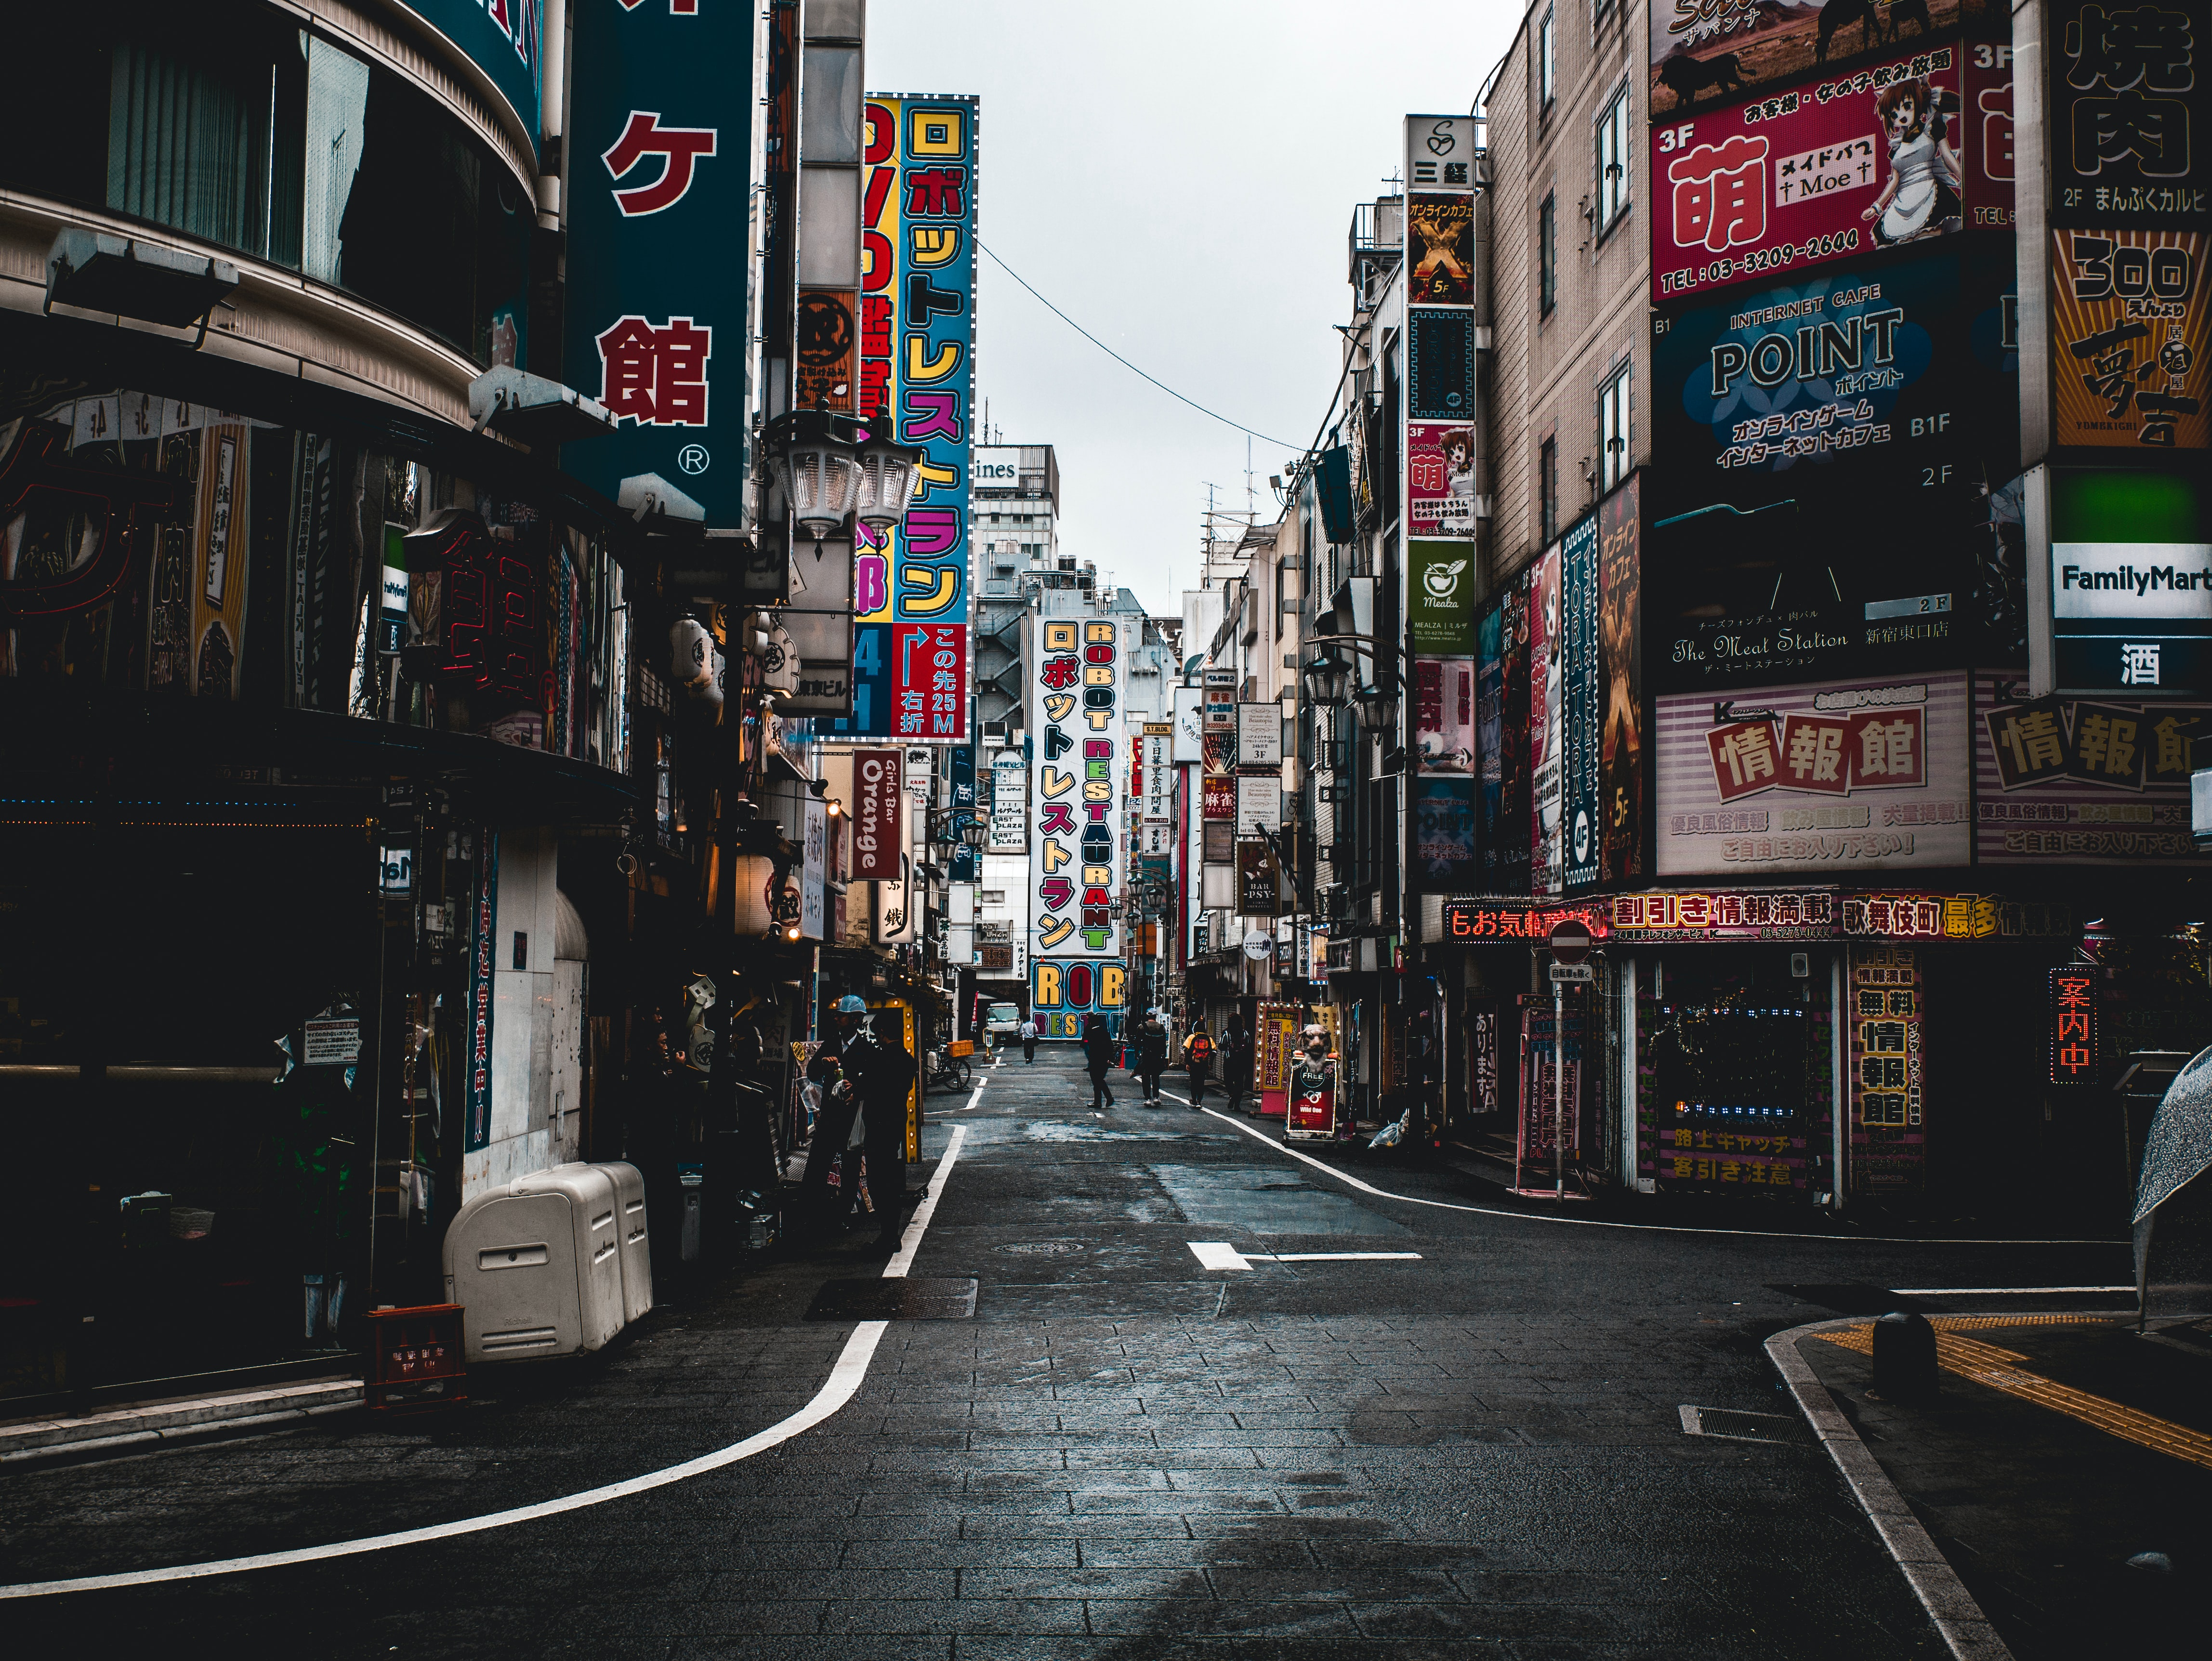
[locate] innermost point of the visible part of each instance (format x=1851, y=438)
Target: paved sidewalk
x=2056, y=1448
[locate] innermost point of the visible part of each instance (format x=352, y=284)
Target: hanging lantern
x=887, y=470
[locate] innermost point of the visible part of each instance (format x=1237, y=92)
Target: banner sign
x=1218, y=797
x=1440, y=587
x=1621, y=790
x=1259, y=803
x=1709, y=50
x=879, y=816
x=2059, y=781
x=1159, y=794
x=1078, y=844
x=2127, y=103
x=1440, y=478
x=1911, y=371
x=476, y=1132
x=1501, y=715
x=916, y=344
x=1579, y=700
x=1444, y=714
x=1444, y=851
x=1010, y=804
x=2129, y=339
x=1889, y=1142
x=1259, y=734
x=1825, y=171
x=1821, y=778
x=1255, y=880
x=1745, y=914
x=2130, y=583
x=659, y=197
x=2072, y=1023
x=1547, y=688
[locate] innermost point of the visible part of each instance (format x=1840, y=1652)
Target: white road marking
x=1219, y=1254
x=1993, y=1291
x=844, y=1379
x=1351, y=1180
x=975, y=1095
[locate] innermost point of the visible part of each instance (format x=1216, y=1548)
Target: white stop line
x=1219, y=1254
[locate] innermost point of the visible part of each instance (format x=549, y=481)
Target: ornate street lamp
x=812, y=472
x=887, y=471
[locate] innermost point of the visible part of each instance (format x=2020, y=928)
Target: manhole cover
x=1731, y=1425
x=894, y=1300
x=1043, y=1247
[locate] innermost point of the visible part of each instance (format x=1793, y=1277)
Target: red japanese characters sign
x=929, y=679
x=2074, y=1023
x=1888, y=155
x=1826, y=776
x=878, y=815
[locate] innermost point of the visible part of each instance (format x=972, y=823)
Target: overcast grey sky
x=1177, y=176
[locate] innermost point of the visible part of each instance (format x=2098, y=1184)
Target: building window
x=1547, y=59
x=1614, y=414
x=1547, y=253
x=1613, y=141
x=1548, y=489
x=994, y=896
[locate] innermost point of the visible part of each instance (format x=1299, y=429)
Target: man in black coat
x=862, y=1073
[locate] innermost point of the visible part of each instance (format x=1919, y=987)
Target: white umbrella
x=2177, y=1150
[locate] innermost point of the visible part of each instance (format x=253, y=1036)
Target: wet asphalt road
x=1122, y=1454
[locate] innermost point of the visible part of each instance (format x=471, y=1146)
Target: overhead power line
x=1120, y=360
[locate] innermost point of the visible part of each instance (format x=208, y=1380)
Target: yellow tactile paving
x=2002, y=1369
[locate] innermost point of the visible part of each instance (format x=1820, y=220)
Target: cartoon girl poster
x=1920, y=198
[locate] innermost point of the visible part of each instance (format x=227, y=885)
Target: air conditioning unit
x=994, y=732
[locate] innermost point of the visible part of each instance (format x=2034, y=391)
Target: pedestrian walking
x=1198, y=1058
x=862, y=1074
x=1152, y=1055
x=1236, y=1066
x=1028, y=1039
x=1098, y=1053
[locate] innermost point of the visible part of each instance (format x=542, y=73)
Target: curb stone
x=1958, y=1618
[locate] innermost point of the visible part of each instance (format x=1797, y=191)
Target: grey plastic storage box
x=636, y=1249
x=537, y=1265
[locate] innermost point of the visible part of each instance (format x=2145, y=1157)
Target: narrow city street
x=1470, y=1444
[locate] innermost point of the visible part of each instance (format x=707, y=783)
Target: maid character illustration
x=1922, y=196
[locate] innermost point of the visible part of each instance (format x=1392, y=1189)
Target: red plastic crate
x=416, y=1358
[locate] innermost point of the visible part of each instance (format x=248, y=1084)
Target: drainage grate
x=898, y=1300
x=1734, y=1425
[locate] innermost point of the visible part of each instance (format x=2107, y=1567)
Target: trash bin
x=537, y=1266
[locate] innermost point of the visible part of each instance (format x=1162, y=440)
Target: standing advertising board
x=916, y=345
x=1836, y=776
x=1275, y=1047
x=1311, y=1110
x=2062, y=780
x=658, y=197
x=1078, y=842
x=1830, y=171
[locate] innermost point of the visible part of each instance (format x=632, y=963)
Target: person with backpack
x=1198, y=1057
x=1152, y=1055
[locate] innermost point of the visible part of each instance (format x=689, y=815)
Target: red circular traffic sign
x=1571, y=941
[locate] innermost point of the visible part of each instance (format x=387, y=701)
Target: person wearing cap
x=862, y=1074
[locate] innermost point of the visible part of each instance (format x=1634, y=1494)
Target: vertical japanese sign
x=2074, y=1023
x=879, y=816
x=916, y=349
x=1548, y=779
x=1159, y=773
x=1889, y=1137
x=659, y=185
x=1076, y=832
x=1579, y=703
x=1620, y=721
x=476, y=1130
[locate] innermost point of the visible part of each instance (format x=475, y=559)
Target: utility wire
x=1117, y=356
